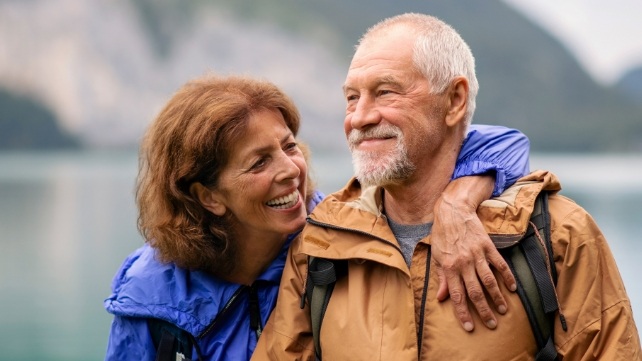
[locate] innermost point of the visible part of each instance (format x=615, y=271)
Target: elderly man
x=410, y=94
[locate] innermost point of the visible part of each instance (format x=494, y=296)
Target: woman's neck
x=253, y=258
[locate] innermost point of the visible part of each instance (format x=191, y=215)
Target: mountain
x=25, y=124
x=528, y=79
x=105, y=68
x=630, y=84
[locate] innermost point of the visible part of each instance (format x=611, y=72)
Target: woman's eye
x=291, y=146
x=259, y=163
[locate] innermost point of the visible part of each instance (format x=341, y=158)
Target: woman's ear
x=207, y=198
x=457, y=101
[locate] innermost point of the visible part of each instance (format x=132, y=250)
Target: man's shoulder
x=352, y=196
x=509, y=214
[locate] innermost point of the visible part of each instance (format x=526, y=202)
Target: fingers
x=473, y=282
x=458, y=297
x=442, y=291
x=496, y=259
x=488, y=280
x=478, y=298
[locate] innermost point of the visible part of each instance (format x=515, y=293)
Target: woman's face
x=263, y=184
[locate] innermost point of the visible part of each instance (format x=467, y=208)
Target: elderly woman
x=223, y=189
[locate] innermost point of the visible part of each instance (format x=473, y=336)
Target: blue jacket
x=144, y=288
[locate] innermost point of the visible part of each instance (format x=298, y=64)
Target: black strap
x=171, y=342
x=322, y=275
x=527, y=292
x=537, y=264
x=536, y=287
x=255, y=312
x=548, y=352
x=166, y=347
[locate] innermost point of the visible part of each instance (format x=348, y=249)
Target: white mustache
x=356, y=136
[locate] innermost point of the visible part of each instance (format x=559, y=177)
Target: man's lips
x=372, y=142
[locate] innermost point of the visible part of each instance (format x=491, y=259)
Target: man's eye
x=351, y=98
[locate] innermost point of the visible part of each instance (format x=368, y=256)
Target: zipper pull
x=302, y=304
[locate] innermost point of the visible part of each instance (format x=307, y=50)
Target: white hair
x=440, y=53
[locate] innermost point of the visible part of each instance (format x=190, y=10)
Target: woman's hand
x=464, y=252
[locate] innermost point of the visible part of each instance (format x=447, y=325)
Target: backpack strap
x=172, y=343
x=531, y=261
x=322, y=275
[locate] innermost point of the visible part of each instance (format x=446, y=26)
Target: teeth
x=284, y=202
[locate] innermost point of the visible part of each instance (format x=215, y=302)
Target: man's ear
x=208, y=198
x=457, y=101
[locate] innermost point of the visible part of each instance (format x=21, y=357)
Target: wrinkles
x=612, y=336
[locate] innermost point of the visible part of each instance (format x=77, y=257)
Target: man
x=410, y=94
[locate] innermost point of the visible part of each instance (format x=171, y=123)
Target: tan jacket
x=381, y=309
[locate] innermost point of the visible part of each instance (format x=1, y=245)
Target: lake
x=67, y=220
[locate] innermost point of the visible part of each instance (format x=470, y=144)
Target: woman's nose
x=288, y=168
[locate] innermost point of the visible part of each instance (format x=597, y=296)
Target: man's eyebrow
x=385, y=79
x=389, y=80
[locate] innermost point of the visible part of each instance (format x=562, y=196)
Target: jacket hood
x=506, y=217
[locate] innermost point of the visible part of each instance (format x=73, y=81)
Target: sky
x=605, y=35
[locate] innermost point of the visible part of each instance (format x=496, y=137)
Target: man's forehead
x=372, y=79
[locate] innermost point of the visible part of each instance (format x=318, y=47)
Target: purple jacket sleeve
x=129, y=339
x=490, y=148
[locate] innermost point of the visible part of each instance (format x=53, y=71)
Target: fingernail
x=501, y=309
x=513, y=287
x=491, y=324
x=468, y=326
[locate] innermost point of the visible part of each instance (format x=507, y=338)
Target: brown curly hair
x=189, y=141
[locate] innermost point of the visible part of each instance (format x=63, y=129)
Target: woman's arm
x=496, y=150
x=492, y=158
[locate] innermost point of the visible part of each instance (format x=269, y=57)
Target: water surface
x=67, y=220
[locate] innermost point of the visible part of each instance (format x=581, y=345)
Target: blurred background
x=81, y=80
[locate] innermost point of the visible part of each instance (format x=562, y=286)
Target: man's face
x=392, y=122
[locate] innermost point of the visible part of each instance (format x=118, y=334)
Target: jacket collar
x=144, y=287
x=355, y=211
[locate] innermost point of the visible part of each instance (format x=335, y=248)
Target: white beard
x=380, y=168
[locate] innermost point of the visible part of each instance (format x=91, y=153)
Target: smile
x=374, y=140
x=285, y=202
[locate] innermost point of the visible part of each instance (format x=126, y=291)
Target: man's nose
x=365, y=113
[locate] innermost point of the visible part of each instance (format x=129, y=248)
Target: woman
x=223, y=189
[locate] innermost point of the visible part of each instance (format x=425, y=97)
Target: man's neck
x=412, y=201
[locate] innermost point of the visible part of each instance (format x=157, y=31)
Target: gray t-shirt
x=408, y=236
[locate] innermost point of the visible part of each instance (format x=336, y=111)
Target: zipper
x=254, y=309
x=425, y=290
x=231, y=302
x=422, y=313
x=426, y=276
x=255, y=312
